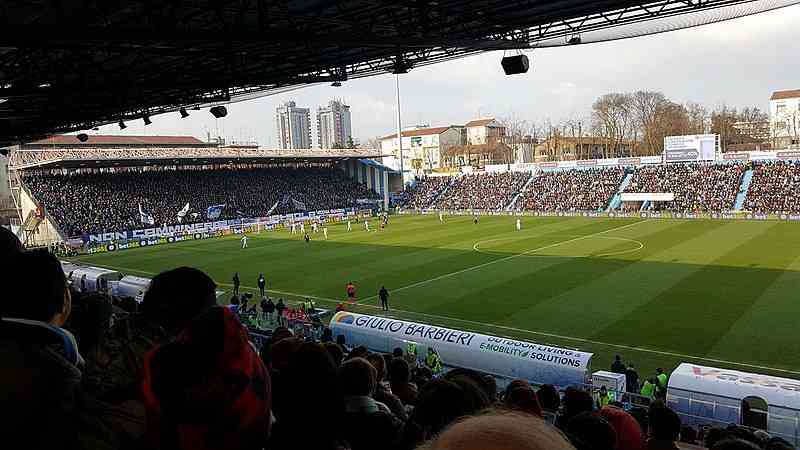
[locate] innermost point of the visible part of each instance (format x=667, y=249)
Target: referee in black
x=384, y=296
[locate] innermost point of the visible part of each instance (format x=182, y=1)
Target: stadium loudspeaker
x=513, y=65
x=146, y=120
x=218, y=111
x=122, y=125
x=183, y=112
x=83, y=137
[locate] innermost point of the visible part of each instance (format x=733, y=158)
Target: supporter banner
x=647, y=196
x=630, y=161
x=587, y=163
x=206, y=228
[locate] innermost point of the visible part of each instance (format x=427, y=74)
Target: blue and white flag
x=290, y=202
x=145, y=218
x=298, y=205
x=213, y=212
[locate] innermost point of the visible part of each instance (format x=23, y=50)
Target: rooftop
x=783, y=95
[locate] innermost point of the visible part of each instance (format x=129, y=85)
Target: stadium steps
x=511, y=205
x=30, y=227
x=616, y=200
x=747, y=178
x=441, y=194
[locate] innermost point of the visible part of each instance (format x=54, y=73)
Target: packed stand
x=698, y=187
x=775, y=188
x=424, y=191
x=179, y=372
x=106, y=202
x=26, y=157
x=572, y=190
x=487, y=191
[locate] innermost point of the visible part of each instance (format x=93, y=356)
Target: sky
x=738, y=62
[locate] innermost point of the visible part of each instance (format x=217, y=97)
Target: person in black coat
x=279, y=308
x=617, y=366
x=262, y=283
x=632, y=379
x=236, y=283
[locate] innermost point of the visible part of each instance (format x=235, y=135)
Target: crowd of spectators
x=775, y=188
x=180, y=372
x=572, y=190
x=109, y=201
x=485, y=191
x=424, y=191
x=698, y=187
x=27, y=157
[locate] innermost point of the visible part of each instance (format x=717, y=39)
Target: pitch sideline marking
x=504, y=327
x=621, y=252
x=506, y=258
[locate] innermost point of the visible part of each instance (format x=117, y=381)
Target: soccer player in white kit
x=303, y=227
x=244, y=241
x=366, y=225
x=294, y=228
x=349, y=228
x=314, y=227
x=519, y=225
x=325, y=232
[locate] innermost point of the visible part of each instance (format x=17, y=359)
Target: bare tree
x=698, y=118
x=513, y=139
x=613, y=118
x=647, y=108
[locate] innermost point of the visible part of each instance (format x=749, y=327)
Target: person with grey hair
x=500, y=431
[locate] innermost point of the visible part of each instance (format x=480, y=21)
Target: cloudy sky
x=739, y=62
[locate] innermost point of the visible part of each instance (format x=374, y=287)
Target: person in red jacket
x=351, y=291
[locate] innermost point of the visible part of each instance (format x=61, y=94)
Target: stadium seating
x=424, y=191
x=775, y=188
x=489, y=191
x=572, y=190
x=105, y=202
x=698, y=187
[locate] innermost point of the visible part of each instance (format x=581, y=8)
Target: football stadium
x=443, y=287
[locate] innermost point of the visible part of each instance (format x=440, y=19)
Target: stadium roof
x=783, y=95
x=71, y=65
x=188, y=156
x=101, y=139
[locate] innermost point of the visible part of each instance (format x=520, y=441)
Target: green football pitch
x=657, y=292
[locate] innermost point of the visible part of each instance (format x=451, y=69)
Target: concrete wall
x=47, y=233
